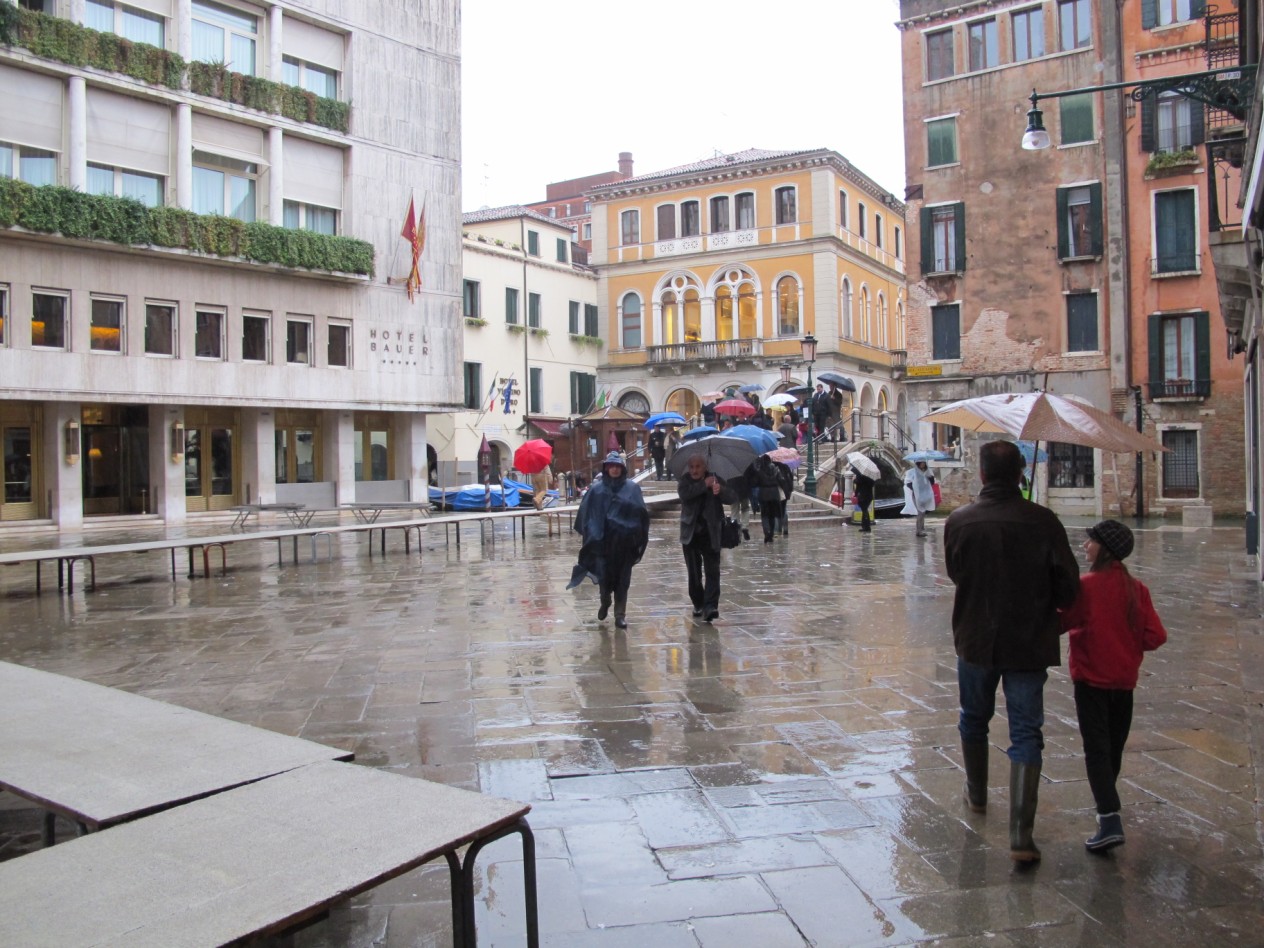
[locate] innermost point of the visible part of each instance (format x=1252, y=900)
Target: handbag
x=730, y=533
x=934, y=489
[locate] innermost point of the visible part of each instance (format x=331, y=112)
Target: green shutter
x=1064, y=237
x=1149, y=14
x=1156, y=348
x=1148, y=123
x=928, y=243
x=959, y=236
x=1197, y=9
x=1197, y=130
x=1202, y=346
x=1095, y=217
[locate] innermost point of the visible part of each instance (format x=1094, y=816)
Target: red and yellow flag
x=415, y=233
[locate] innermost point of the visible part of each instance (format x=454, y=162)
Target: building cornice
x=953, y=11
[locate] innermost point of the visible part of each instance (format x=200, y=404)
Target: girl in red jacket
x=1111, y=624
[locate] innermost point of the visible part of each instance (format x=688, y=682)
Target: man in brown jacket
x=1013, y=567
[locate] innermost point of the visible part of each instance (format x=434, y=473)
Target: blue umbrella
x=1031, y=453
x=702, y=431
x=752, y=387
x=928, y=456
x=758, y=438
x=665, y=418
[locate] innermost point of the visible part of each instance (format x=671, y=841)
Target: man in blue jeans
x=1013, y=568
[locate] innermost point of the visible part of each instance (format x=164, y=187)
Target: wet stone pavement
x=788, y=776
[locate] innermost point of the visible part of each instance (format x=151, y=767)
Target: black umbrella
x=841, y=381
x=800, y=390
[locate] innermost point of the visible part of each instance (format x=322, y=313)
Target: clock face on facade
x=635, y=402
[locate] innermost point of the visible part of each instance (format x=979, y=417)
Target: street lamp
x=809, y=356
x=785, y=372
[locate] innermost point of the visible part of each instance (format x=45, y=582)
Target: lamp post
x=809, y=356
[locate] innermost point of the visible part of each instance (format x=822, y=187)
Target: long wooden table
x=100, y=756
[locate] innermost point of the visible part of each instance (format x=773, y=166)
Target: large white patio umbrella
x=1041, y=416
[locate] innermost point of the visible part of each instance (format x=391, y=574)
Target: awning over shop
x=549, y=427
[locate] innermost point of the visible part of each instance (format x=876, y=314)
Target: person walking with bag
x=615, y=525
x=1110, y=626
x=702, y=499
x=770, y=486
x=919, y=491
x=862, y=484
x=1013, y=568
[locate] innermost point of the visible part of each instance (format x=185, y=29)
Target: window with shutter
x=946, y=331
x=1175, y=231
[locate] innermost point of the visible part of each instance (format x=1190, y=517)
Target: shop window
x=373, y=447
x=160, y=329
x=297, y=459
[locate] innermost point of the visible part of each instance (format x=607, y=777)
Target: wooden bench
x=99, y=756
x=258, y=860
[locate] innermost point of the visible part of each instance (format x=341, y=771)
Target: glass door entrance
x=210, y=468
x=116, y=460
x=19, y=498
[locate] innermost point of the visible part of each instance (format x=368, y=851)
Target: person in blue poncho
x=615, y=525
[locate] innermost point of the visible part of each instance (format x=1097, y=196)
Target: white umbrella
x=781, y=398
x=864, y=465
x=1041, y=416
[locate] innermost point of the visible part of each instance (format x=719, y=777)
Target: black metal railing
x=1180, y=388
x=1224, y=159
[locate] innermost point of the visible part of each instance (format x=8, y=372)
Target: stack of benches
x=221, y=832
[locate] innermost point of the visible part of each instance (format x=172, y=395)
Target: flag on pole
x=601, y=399
x=507, y=394
x=491, y=395
x=415, y=233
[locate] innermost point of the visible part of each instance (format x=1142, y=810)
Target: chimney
x=625, y=163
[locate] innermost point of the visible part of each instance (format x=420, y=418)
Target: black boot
x=1110, y=833
x=1024, y=791
x=976, y=760
x=620, y=611
x=605, y=608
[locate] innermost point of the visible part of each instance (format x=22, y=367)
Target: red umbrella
x=735, y=406
x=533, y=456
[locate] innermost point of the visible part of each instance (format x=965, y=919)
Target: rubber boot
x=1024, y=791
x=976, y=759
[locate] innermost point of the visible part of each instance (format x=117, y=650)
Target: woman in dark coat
x=615, y=525
x=702, y=499
x=864, y=497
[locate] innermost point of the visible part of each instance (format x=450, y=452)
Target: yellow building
x=711, y=273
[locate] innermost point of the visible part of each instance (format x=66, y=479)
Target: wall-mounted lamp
x=1035, y=138
x=1230, y=89
x=177, y=441
x=71, y=441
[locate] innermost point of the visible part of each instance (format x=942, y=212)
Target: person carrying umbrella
x=770, y=482
x=789, y=432
x=820, y=409
x=615, y=526
x=1013, y=568
x=702, y=499
x=919, y=492
x=540, y=481
x=658, y=451
x=862, y=484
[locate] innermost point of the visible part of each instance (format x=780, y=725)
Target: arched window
x=900, y=327
x=844, y=308
x=630, y=321
x=881, y=339
x=735, y=305
x=681, y=302
x=787, y=306
x=635, y=402
x=684, y=401
x=866, y=330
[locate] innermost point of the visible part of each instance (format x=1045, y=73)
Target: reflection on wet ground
x=787, y=776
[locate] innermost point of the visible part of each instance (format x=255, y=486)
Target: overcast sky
x=556, y=89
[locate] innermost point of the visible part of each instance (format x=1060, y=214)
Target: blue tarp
x=473, y=497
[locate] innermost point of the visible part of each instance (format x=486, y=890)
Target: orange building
x=710, y=275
